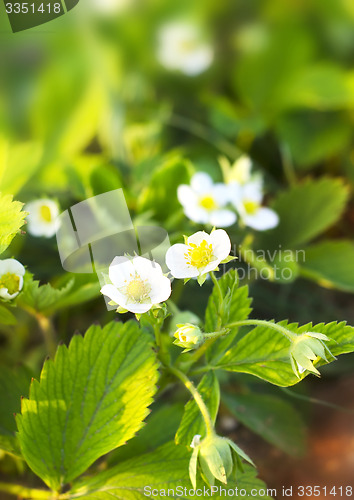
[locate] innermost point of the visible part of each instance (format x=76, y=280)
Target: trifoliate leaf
x=11, y=220
x=91, y=399
x=264, y=352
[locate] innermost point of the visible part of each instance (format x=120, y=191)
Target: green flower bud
x=217, y=457
x=188, y=336
x=305, y=349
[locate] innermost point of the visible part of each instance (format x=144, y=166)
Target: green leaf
x=160, y=196
x=11, y=220
x=331, y=264
x=85, y=287
x=305, y=211
x=18, y=163
x=236, y=308
x=274, y=419
x=192, y=421
x=264, y=352
x=325, y=135
x=91, y=399
x=164, y=469
x=42, y=298
x=322, y=87
x=6, y=316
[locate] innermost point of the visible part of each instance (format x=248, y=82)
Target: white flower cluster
x=138, y=284
x=207, y=203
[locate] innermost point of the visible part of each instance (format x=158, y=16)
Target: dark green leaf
x=331, y=264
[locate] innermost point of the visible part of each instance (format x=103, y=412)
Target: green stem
x=22, y=491
x=260, y=322
x=157, y=336
x=197, y=398
x=220, y=333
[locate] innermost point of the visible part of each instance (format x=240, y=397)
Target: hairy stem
x=260, y=322
x=197, y=398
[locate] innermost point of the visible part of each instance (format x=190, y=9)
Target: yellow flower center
x=251, y=207
x=11, y=282
x=138, y=290
x=46, y=214
x=199, y=256
x=208, y=202
x=188, y=45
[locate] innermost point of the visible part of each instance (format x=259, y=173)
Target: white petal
x=197, y=214
x=160, y=289
x=12, y=266
x=201, y=182
x=265, y=218
x=222, y=218
x=138, y=308
x=220, y=193
x=146, y=267
x=198, y=61
x=114, y=294
x=120, y=270
x=198, y=237
x=252, y=191
x=186, y=195
x=234, y=193
x=176, y=262
x=221, y=244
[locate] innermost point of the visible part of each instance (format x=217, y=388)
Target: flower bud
x=304, y=351
x=188, y=336
x=217, y=457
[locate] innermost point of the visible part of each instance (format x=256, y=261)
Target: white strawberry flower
x=200, y=254
x=42, y=218
x=137, y=284
x=204, y=202
x=11, y=278
x=247, y=200
x=182, y=47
